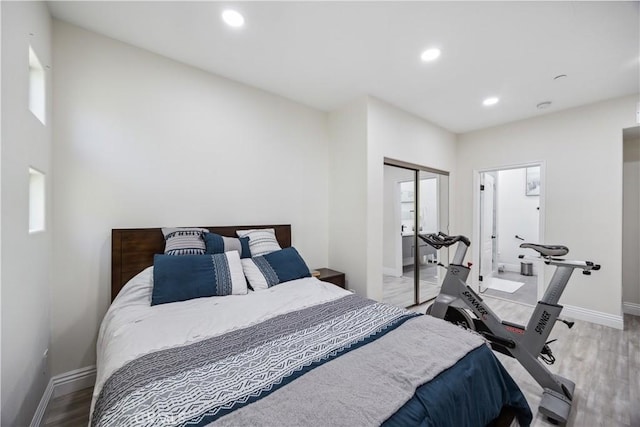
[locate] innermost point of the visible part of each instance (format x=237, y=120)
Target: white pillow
x=238, y=280
x=255, y=277
x=261, y=241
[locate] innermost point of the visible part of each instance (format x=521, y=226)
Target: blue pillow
x=217, y=244
x=181, y=278
x=268, y=270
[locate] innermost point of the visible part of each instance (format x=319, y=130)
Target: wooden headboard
x=132, y=249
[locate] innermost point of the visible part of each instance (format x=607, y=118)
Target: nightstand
x=332, y=276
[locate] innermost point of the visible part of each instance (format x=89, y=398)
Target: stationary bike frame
x=523, y=343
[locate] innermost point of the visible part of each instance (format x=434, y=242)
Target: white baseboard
x=62, y=384
x=42, y=406
x=631, y=308
x=395, y=272
x=598, y=317
x=74, y=380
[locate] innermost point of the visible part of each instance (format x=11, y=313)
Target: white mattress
x=132, y=327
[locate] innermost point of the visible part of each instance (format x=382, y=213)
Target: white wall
x=582, y=148
x=631, y=222
x=363, y=133
x=429, y=207
x=396, y=134
x=144, y=141
x=25, y=258
x=517, y=214
x=347, y=194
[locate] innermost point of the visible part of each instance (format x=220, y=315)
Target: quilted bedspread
x=349, y=361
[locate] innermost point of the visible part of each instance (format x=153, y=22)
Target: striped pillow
x=261, y=242
x=268, y=270
x=184, y=241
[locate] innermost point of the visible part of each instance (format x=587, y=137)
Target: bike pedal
x=567, y=322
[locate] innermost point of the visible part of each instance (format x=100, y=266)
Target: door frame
x=494, y=231
x=475, y=235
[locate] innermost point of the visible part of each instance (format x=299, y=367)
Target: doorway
x=509, y=209
x=416, y=201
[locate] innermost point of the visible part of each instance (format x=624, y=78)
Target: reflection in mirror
x=414, y=200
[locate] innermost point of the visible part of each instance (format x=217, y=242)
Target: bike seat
x=547, y=250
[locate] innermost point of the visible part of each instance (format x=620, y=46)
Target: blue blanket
x=470, y=393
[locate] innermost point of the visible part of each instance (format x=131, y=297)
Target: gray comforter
x=350, y=361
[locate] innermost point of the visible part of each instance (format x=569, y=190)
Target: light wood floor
x=399, y=291
x=70, y=410
x=603, y=362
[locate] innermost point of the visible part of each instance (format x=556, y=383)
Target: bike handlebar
x=441, y=239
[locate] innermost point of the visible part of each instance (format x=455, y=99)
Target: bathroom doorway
x=416, y=201
x=508, y=215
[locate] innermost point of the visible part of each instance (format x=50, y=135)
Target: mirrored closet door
x=416, y=201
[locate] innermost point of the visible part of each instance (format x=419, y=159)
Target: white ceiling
x=324, y=54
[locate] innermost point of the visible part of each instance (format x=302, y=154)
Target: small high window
x=36, y=201
x=36, y=87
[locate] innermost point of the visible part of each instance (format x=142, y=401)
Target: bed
x=304, y=352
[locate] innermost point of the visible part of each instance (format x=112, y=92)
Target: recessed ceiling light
x=430, y=54
x=232, y=18
x=490, y=101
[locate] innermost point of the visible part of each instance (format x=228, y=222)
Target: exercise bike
x=459, y=304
